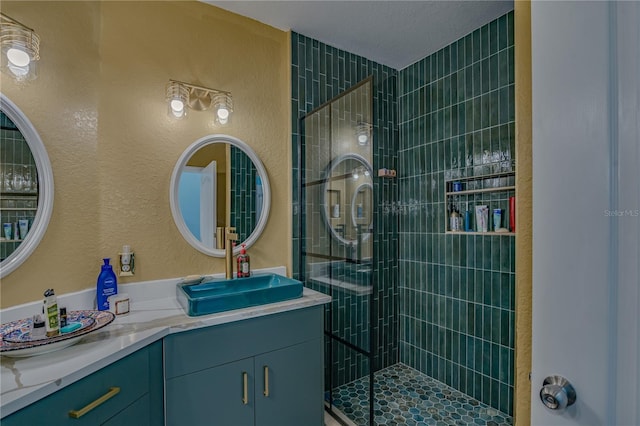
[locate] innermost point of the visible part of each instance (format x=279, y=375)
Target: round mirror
x=219, y=181
x=26, y=185
x=348, y=198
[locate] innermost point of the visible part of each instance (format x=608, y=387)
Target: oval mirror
x=348, y=198
x=26, y=185
x=219, y=181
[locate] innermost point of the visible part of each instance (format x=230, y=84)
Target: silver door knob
x=557, y=393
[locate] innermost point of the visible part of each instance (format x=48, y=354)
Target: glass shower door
x=336, y=244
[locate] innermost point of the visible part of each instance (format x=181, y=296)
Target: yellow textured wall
x=524, y=211
x=99, y=107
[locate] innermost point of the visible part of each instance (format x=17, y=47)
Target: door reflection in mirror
x=219, y=182
x=197, y=195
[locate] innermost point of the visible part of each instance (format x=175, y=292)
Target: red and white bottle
x=244, y=266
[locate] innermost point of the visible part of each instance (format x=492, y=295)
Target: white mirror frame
x=175, y=205
x=45, y=188
x=325, y=186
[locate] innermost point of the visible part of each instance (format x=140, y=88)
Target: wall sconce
x=181, y=95
x=363, y=133
x=20, y=49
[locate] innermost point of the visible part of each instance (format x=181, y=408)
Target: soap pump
x=244, y=267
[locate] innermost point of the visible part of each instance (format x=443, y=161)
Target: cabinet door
x=218, y=396
x=289, y=386
x=130, y=375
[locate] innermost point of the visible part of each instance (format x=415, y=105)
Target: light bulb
x=362, y=139
x=223, y=113
x=177, y=108
x=18, y=57
x=355, y=175
x=177, y=105
x=366, y=173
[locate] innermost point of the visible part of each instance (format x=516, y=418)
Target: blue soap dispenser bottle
x=107, y=285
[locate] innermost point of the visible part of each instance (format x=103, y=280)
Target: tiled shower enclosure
x=441, y=305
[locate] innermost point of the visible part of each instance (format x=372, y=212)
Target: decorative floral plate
x=16, y=339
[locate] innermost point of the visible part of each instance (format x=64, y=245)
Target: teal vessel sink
x=221, y=295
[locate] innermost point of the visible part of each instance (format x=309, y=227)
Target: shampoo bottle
x=467, y=219
x=454, y=219
x=51, y=314
x=107, y=286
x=244, y=267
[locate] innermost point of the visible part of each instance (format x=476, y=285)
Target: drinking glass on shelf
x=34, y=178
x=7, y=178
x=26, y=175
x=18, y=178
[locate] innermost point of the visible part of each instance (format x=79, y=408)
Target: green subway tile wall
x=456, y=291
x=244, y=199
x=319, y=73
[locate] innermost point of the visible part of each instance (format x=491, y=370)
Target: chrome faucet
x=230, y=236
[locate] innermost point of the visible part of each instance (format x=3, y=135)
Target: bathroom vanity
x=255, y=366
x=271, y=369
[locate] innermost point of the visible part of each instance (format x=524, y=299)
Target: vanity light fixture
x=355, y=173
x=177, y=98
x=20, y=48
x=363, y=133
x=181, y=95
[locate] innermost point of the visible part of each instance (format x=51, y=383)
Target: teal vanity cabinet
x=127, y=392
x=265, y=371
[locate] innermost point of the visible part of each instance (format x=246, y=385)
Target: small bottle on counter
x=38, y=330
x=50, y=311
x=244, y=266
x=107, y=285
x=63, y=317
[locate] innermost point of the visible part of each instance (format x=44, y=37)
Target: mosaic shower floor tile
x=404, y=396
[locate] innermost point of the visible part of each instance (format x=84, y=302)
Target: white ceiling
x=396, y=33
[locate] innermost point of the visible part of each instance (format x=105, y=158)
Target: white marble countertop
x=154, y=313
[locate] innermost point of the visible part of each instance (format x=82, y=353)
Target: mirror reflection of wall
x=219, y=182
x=18, y=187
x=202, y=158
x=338, y=156
x=236, y=189
x=245, y=194
x=350, y=221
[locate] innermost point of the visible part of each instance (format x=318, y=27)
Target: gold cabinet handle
x=104, y=398
x=266, y=381
x=245, y=388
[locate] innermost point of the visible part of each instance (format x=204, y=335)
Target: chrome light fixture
x=181, y=96
x=363, y=133
x=20, y=49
